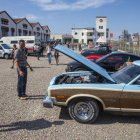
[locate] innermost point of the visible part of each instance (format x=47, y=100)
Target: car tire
x=6, y=56
x=84, y=110
x=80, y=69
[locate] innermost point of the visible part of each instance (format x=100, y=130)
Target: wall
x=20, y=26
x=104, y=24
x=11, y=24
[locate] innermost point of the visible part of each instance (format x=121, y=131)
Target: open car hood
x=84, y=61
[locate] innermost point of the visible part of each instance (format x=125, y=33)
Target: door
x=1, y=52
x=130, y=98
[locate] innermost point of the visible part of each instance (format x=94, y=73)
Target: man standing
x=12, y=55
x=21, y=63
x=38, y=51
x=35, y=48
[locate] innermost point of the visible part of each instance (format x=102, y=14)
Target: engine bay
x=79, y=79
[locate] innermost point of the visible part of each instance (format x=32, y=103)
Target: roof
x=43, y=27
x=1, y=12
x=17, y=20
x=101, y=17
x=34, y=23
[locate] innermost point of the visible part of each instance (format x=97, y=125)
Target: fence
x=126, y=46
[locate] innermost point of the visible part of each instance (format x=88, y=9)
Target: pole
x=139, y=45
x=129, y=44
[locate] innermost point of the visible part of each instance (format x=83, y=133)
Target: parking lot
x=28, y=119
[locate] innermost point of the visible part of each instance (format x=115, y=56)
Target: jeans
x=35, y=53
x=41, y=54
x=49, y=57
x=38, y=55
x=21, y=85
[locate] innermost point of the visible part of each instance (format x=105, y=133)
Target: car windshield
x=127, y=74
x=102, y=58
x=5, y=46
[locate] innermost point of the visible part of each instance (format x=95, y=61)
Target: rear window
x=30, y=41
x=14, y=42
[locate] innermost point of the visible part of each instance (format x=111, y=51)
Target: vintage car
x=86, y=93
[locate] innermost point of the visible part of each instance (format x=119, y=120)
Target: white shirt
x=48, y=50
x=35, y=47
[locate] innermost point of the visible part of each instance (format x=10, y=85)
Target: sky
x=62, y=15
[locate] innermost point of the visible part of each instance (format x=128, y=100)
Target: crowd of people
x=74, y=46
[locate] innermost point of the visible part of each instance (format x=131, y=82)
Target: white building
x=84, y=35
x=101, y=28
x=7, y=25
x=23, y=27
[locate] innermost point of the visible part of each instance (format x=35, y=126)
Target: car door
x=1, y=51
x=130, y=98
x=103, y=50
x=110, y=62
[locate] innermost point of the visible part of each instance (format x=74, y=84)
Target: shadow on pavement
x=33, y=97
x=40, y=67
x=64, y=114
x=30, y=125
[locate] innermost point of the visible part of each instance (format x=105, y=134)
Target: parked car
x=86, y=93
x=100, y=50
x=107, y=62
x=5, y=50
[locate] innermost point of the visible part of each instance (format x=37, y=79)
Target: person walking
x=75, y=46
x=72, y=46
x=48, y=52
x=80, y=48
x=56, y=54
x=41, y=50
x=21, y=63
x=26, y=52
x=12, y=55
x=35, y=48
x=38, y=51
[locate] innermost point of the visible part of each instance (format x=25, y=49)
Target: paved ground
x=30, y=120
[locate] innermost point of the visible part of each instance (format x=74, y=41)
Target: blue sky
x=61, y=15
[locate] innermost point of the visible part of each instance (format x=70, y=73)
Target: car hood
x=84, y=61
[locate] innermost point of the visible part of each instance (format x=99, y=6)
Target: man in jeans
x=21, y=63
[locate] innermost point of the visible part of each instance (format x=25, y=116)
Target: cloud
x=30, y=17
x=78, y=5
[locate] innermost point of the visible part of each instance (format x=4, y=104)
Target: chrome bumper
x=47, y=103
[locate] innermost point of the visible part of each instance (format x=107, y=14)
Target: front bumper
x=47, y=102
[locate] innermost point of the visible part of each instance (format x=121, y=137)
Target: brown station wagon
x=85, y=93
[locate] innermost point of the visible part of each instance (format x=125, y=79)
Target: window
x=12, y=33
x=19, y=31
x=4, y=21
x=137, y=82
x=103, y=49
x=25, y=26
x=29, y=33
x=100, y=27
x=82, y=40
x=76, y=40
x=76, y=33
x=107, y=35
x=90, y=33
x=30, y=41
x=82, y=34
x=38, y=28
x=100, y=34
x=14, y=42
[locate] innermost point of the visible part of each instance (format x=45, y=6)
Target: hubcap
x=6, y=56
x=83, y=110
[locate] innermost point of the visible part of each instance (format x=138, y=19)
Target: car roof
x=136, y=62
x=118, y=52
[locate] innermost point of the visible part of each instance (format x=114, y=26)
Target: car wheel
x=6, y=56
x=84, y=111
x=80, y=69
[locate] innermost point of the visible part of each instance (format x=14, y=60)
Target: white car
x=5, y=50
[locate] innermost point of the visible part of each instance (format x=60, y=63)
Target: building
x=7, y=25
x=22, y=27
x=125, y=36
x=62, y=38
x=84, y=35
x=135, y=38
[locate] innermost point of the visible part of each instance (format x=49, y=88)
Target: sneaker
x=12, y=67
x=22, y=98
x=25, y=95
